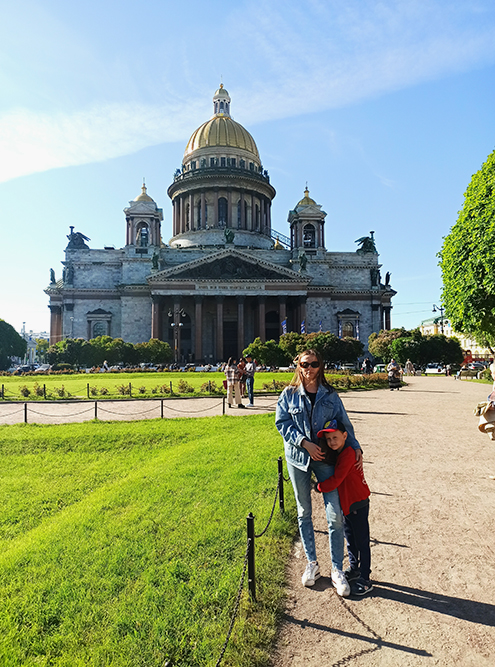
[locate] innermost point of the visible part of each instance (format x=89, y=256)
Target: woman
x=241, y=369
x=394, y=379
x=302, y=410
x=232, y=377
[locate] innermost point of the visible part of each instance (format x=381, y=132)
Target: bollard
x=161, y=408
x=223, y=405
x=25, y=413
x=130, y=390
x=251, y=569
x=96, y=409
x=281, y=503
x=87, y=390
x=44, y=391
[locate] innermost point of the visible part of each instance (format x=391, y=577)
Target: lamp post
x=176, y=313
x=440, y=309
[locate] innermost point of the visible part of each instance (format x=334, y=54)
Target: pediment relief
x=228, y=265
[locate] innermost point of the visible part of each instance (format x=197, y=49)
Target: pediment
x=228, y=265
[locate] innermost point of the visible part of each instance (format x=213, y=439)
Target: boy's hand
x=359, y=460
x=315, y=486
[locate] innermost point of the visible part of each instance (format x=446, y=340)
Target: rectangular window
x=232, y=161
x=223, y=162
x=212, y=162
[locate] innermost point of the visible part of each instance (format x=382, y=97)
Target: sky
x=385, y=109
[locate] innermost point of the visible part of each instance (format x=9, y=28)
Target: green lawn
x=147, y=385
x=123, y=543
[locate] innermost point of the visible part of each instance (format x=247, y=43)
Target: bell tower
x=307, y=223
x=143, y=218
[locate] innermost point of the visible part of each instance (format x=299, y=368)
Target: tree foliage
x=80, y=352
x=467, y=260
x=379, y=344
x=12, y=344
x=331, y=348
x=422, y=350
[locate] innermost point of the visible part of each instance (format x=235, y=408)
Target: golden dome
x=221, y=131
x=143, y=196
x=307, y=201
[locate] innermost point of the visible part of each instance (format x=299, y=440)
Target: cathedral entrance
x=229, y=340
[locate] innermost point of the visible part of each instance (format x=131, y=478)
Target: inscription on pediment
x=230, y=268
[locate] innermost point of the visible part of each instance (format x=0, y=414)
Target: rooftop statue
x=367, y=244
x=76, y=240
x=229, y=235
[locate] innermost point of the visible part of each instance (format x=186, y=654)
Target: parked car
x=435, y=369
x=380, y=368
x=42, y=368
x=476, y=366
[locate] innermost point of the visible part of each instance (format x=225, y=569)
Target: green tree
x=467, y=260
x=154, y=352
x=42, y=346
x=12, y=344
x=327, y=344
x=268, y=353
x=379, y=343
x=350, y=350
x=291, y=344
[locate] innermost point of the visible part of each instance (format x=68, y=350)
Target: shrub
x=103, y=391
x=93, y=391
x=211, y=386
x=123, y=389
x=24, y=391
x=142, y=390
x=183, y=387
x=38, y=390
x=60, y=391
x=165, y=389
x=275, y=385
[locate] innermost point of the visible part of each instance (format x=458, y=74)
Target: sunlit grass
x=123, y=543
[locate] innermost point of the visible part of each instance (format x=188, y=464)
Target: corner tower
x=307, y=224
x=221, y=192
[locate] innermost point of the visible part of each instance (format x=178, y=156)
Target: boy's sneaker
x=361, y=587
x=311, y=574
x=341, y=584
x=351, y=574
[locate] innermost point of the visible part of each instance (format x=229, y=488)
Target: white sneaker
x=340, y=582
x=311, y=574
x=250, y=405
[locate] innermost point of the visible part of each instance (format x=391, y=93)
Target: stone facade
x=226, y=276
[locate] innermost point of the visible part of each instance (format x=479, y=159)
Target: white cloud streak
x=301, y=59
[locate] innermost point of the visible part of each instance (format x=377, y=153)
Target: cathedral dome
x=221, y=131
x=306, y=200
x=143, y=196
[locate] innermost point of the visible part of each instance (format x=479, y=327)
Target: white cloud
x=292, y=59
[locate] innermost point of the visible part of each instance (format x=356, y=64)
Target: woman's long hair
x=297, y=379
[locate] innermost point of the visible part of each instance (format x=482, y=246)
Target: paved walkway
x=433, y=540
x=64, y=412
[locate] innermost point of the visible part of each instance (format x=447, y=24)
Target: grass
x=148, y=385
x=123, y=543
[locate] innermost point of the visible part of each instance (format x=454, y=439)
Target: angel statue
x=367, y=244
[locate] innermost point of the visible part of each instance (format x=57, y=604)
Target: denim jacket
x=296, y=421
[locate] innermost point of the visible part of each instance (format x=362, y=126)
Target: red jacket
x=348, y=480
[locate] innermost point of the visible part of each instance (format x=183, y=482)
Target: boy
x=354, y=500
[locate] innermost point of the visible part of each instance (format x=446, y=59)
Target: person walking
x=249, y=371
x=303, y=408
x=232, y=377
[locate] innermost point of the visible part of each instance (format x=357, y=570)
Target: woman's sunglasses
x=307, y=364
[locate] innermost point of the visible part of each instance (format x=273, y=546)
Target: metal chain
x=236, y=606
x=75, y=414
x=273, y=509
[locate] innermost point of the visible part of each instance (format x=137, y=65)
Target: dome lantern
x=221, y=102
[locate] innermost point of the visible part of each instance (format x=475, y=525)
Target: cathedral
x=226, y=276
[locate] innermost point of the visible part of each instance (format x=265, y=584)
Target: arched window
x=348, y=330
x=142, y=235
x=309, y=236
x=222, y=212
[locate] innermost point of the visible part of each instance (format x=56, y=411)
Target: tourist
x=303, y=408
x=409, y=367
x=394, y=372
x=241, y=366
x=232, y=377
x=249, y=372
x=354, y=499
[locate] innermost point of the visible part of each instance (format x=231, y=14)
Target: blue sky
x=385, y=109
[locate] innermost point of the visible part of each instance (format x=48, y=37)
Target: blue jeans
x=250, y=389
x=301, y=482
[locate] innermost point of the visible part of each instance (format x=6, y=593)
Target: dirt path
x=433, y=540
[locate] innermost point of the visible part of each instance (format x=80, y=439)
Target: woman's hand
x=359, y=460
x=313, y=450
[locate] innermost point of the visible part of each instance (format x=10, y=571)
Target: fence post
x=25, y=413
x=161, y=408
x=171, y=390
x=130, y=390
x=251, y=569
x=44, y=391
x=281, y=484
x=96, y=409
x=2, y=391
x=274, y=386
x=209, y=387
x=223, y=405
x=87, y=389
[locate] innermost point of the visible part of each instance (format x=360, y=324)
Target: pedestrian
x=232, y=377
x=354, y=496
x=303, y=408
x=393, y=370
x=241, y=367
x=409, y=367
x=249, y=371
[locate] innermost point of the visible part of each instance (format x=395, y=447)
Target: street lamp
x=176, y=313
x=440, y=309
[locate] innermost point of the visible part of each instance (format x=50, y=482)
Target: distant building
x=433, y=326
x=30, y=337
x=226, y=276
